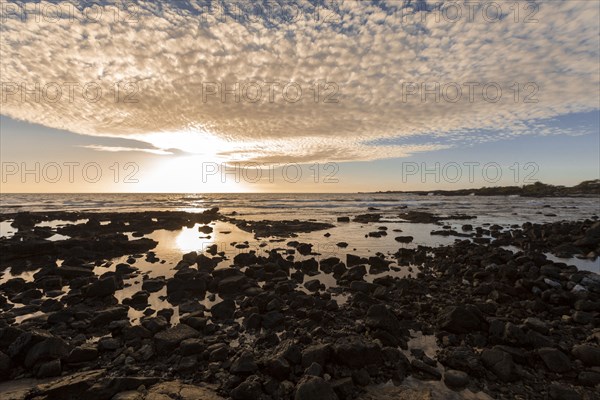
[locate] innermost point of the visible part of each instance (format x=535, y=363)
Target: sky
x=303, y=96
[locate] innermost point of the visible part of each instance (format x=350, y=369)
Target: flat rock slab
x=83, y=386
x=174, y=390
x=396, y=393
x=69, y=387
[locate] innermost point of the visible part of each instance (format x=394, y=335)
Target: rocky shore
x=498, y=323
x=537, y=189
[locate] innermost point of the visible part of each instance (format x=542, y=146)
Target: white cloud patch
x=156, y=78
x=117, y=149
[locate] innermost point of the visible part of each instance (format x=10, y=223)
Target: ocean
x=321, y=206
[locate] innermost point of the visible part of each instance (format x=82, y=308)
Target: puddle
x=57, y=223
x=427, y=343
x=27, y=276
x=56, y=237
x=583, y=264
x=6, y=230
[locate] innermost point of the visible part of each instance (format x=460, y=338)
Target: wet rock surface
x=265, y=324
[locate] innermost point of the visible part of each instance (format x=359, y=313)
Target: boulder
x=250, y=389
x=244, y=364
x=232, y=284
x=380, y=317
x=49, y=369
x=314, y=388
x=83, y=353
x=589, y=355
x=49, y=349
x=355, y=352
x=555, y=360
x=500, y=363
x=461, y=319
x=104, y=317
x=169, y=339
x=153, y=285
x=456, y=379
x=223, y=310
x=318, y=353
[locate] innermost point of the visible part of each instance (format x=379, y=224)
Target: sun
x=189, y=174
x=195, y=164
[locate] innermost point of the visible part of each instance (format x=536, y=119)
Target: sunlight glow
x=188, y=174
x=191, y=240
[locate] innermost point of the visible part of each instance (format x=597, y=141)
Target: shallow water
x=504, y=211
x=494, y=209
x=173, y=244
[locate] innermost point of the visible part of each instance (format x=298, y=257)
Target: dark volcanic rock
x=314, y=388
x=456, y=379
x=589, y=355
x=554, y=359
x=169, y=339
x=49, y=349
x=355, y=273
x=426, y=371
x=500, y=363
x=153, y=285
x=280, y=228
x=365, y=218
x=461, y=319
x=380, y=317
x=233, y=284
x=250, y=389
x=356, y=352
x=404, y=239
x=49, y=369
x=104, y=317
x=378, y=265
x=313, y=285
x=70, y=272
x=223, y=310
x=4, y=365
x=86, y=352
x=318, y=353
x=244, y=364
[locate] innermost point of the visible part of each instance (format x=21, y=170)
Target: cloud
x=310, y=82
x=115, y=149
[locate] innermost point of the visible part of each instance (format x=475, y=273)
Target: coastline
x=275, y=316
x=588, y=189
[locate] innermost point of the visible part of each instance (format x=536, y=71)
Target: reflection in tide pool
x=582, y=264
x=190, y=239
x=6, y=230
x=173, y=244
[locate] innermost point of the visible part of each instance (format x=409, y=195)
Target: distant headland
x=537, y=189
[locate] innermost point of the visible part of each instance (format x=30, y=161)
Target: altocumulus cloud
x=170, y=57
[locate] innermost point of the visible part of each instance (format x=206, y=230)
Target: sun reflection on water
x=190, y=239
